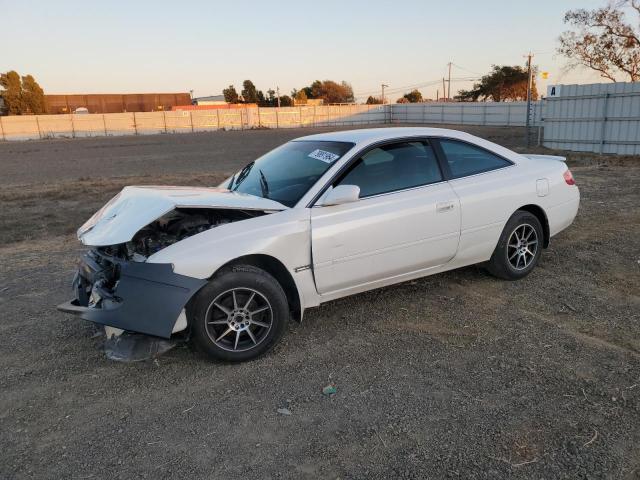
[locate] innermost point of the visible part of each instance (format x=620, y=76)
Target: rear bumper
x=145, y=297
x=561, y=216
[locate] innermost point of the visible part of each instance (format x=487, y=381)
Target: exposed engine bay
x=175, y=226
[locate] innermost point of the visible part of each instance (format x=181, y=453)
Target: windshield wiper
x=242, y=174
x=264, y=186
x=230, y=184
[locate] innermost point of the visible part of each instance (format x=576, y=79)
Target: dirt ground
x=458, y=375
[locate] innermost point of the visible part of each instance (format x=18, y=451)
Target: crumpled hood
x=136, y=207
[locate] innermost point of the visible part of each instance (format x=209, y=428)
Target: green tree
x=330, y=91
x=603, y=40
x=12, y=93
x=21, y=95
x=249, y=92
x=285, y=101
x=300, y=97
x=413, y=96
x=503, y=83
x=373, y=101
x=308, y=91
x=33, y=95
x=271, y=98
x=262, y=101
x=231, y=95
x=314, y=90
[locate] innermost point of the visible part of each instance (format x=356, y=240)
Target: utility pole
x=278, y=93
x=449, y=83
x=529, y=73
x=382, y=99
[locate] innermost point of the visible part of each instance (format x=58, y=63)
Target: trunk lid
x=534, y=156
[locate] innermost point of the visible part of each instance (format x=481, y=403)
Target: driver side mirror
x=342, y=194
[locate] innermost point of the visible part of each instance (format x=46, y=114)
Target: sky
x=168, y=46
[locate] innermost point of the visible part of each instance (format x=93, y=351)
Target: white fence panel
x=149, y=123
x=464, y=113
x=230, y=119
x=120, y=124
x=55, y=126
x=88, y=126
x=205, y=120
x=601, y=118
x=20, y=127
x=268, y=117
x=142, y=123
x=288, y=117
x=178, y=122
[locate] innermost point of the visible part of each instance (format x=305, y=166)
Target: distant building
x=210, y=100
x=115, y=102
x=220, y=106
x=309, y=102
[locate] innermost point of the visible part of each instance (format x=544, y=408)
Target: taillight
x=568, y=177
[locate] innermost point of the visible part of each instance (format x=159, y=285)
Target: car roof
x=367, y=136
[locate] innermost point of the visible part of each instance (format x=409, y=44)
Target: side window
x=465, y=159
x=393, y=167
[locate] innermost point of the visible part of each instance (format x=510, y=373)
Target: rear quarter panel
x=489, y=199
x=562, y=202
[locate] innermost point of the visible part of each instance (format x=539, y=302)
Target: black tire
x=225, y=305
x=510, y=251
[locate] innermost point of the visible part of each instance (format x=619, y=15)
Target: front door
x=407, y=219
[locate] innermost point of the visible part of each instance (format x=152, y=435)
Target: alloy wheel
x=239, y=319
x=522, y=246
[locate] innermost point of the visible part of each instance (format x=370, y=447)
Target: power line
x=466, y=69
x=414, y=86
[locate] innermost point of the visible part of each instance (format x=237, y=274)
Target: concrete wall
x=27, y=127
x=603, y=118
x=147, y=123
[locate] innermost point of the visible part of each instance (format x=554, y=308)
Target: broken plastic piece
x=329, y=390
x=134, y=347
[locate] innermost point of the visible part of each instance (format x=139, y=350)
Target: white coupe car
x=318, y=218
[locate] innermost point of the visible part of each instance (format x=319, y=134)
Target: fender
x=202, y=255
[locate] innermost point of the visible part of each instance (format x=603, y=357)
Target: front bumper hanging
x=135, y=296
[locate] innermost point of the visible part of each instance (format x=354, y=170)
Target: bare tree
x=603, y=40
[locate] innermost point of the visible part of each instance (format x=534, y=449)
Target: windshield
x=286, y=173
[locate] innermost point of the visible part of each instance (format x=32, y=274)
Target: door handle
x=444, y=207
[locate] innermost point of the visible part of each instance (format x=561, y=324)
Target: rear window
x=465, y=159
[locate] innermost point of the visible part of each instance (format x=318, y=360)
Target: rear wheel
x=519, y=247
x=239, y=315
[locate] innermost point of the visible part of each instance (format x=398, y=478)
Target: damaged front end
x=116, y=287
x=128, y=295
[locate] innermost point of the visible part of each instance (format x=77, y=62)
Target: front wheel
x=240, y=314
x=519, y=247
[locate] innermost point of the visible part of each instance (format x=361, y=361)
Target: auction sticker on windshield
x=323, y=155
